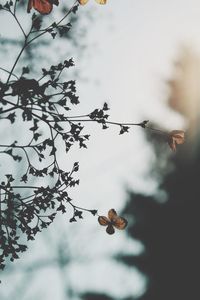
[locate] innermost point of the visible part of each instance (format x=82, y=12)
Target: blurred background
x=143, y=59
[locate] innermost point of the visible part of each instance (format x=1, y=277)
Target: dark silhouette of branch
x=43, y=103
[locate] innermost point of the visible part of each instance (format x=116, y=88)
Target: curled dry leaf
x=44, y=7
x=176, y=137
x=83, y=2
x=113, y=220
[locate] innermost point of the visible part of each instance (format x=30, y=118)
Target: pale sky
x=131, y=47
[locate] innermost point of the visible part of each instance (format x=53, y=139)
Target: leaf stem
x=17, y=59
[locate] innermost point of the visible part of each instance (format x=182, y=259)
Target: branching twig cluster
x=43, y=105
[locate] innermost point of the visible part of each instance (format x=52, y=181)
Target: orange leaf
x=176, y=137
x=44, y=7
x=110, y=229
x=112, y=220
x=120, y=223
x=103, y=221
x=112, y=215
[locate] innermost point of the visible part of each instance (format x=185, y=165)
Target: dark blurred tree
x=170, y=234
x=95, y=296
x=168, y=223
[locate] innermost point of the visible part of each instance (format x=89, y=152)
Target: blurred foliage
x=94, y=296
x=169, y=230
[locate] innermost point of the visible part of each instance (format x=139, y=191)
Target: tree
x=167, y=224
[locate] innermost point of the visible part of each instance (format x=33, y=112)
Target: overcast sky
x=131, y=48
